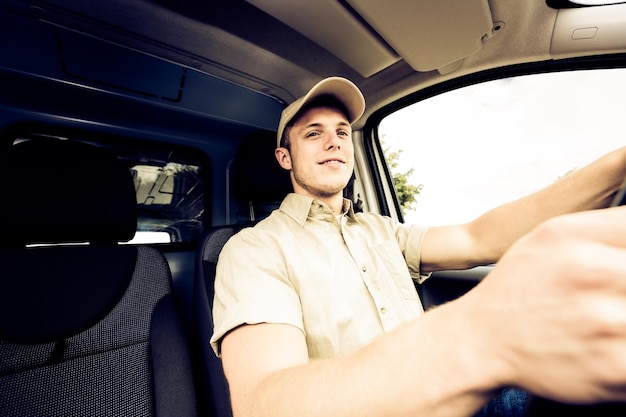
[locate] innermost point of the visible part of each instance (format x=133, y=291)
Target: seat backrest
x=258, y=181
x=89, y=327
x=212, y=373
x=261, y=184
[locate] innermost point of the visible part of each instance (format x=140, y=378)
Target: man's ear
x=283, y=157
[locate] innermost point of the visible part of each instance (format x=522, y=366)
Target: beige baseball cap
x=345, y=91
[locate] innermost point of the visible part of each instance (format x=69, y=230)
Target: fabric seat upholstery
x=88, y=327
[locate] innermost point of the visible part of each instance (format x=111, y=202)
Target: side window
x=461, y=153
x=170, y=200
x=169, y=183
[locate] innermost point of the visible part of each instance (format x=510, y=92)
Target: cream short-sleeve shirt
x=341, y=282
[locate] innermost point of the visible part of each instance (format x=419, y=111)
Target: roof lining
x=336, y=29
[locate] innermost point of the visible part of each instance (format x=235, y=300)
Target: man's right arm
x=416, y=370
x=562, y=336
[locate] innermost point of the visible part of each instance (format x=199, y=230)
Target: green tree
x=407, y=193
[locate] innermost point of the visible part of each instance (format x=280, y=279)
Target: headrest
x=256, y=173
x=60, y=192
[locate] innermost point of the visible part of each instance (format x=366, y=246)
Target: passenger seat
x=89, y=327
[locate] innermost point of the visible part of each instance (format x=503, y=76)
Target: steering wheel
x=542, y=407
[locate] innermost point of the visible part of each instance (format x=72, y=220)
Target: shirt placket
x=372, y=277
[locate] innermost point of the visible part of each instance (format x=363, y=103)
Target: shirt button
x=383, y=310
x=364, y=268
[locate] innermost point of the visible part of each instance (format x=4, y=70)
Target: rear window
x=169, y=184
x=170, y=198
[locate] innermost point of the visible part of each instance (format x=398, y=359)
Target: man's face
x=321, y=158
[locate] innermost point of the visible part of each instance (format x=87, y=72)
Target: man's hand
x=553, y=312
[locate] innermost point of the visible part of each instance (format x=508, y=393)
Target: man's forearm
x=589, y=188
x=429, y=367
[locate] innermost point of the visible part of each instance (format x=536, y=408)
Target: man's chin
x=326, y=191
x=331, y=190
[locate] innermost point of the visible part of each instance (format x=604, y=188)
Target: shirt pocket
x=392, y=260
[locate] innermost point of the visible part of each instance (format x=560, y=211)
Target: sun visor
x=429, y=35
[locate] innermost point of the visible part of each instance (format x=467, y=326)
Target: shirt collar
x=298, y=207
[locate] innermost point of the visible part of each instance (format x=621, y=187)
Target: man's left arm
x=485, y=239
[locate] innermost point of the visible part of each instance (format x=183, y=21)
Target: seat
x=259, y=185
x=89, y=327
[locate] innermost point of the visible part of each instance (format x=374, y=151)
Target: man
x=322, y=318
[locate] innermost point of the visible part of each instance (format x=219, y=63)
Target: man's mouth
x=332, y=161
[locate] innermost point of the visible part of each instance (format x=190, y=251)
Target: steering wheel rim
x=542, y=407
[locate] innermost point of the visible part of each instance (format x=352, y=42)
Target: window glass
x=170, y=199
x=466, y=151
x=169, y=183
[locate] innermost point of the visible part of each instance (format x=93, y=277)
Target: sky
x=478, y=147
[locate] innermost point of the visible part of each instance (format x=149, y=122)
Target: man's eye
x=343, y=133
x=312, y=134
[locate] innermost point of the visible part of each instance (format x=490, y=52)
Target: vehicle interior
x=187, y=96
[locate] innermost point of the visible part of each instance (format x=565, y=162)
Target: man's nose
x=333, y=141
